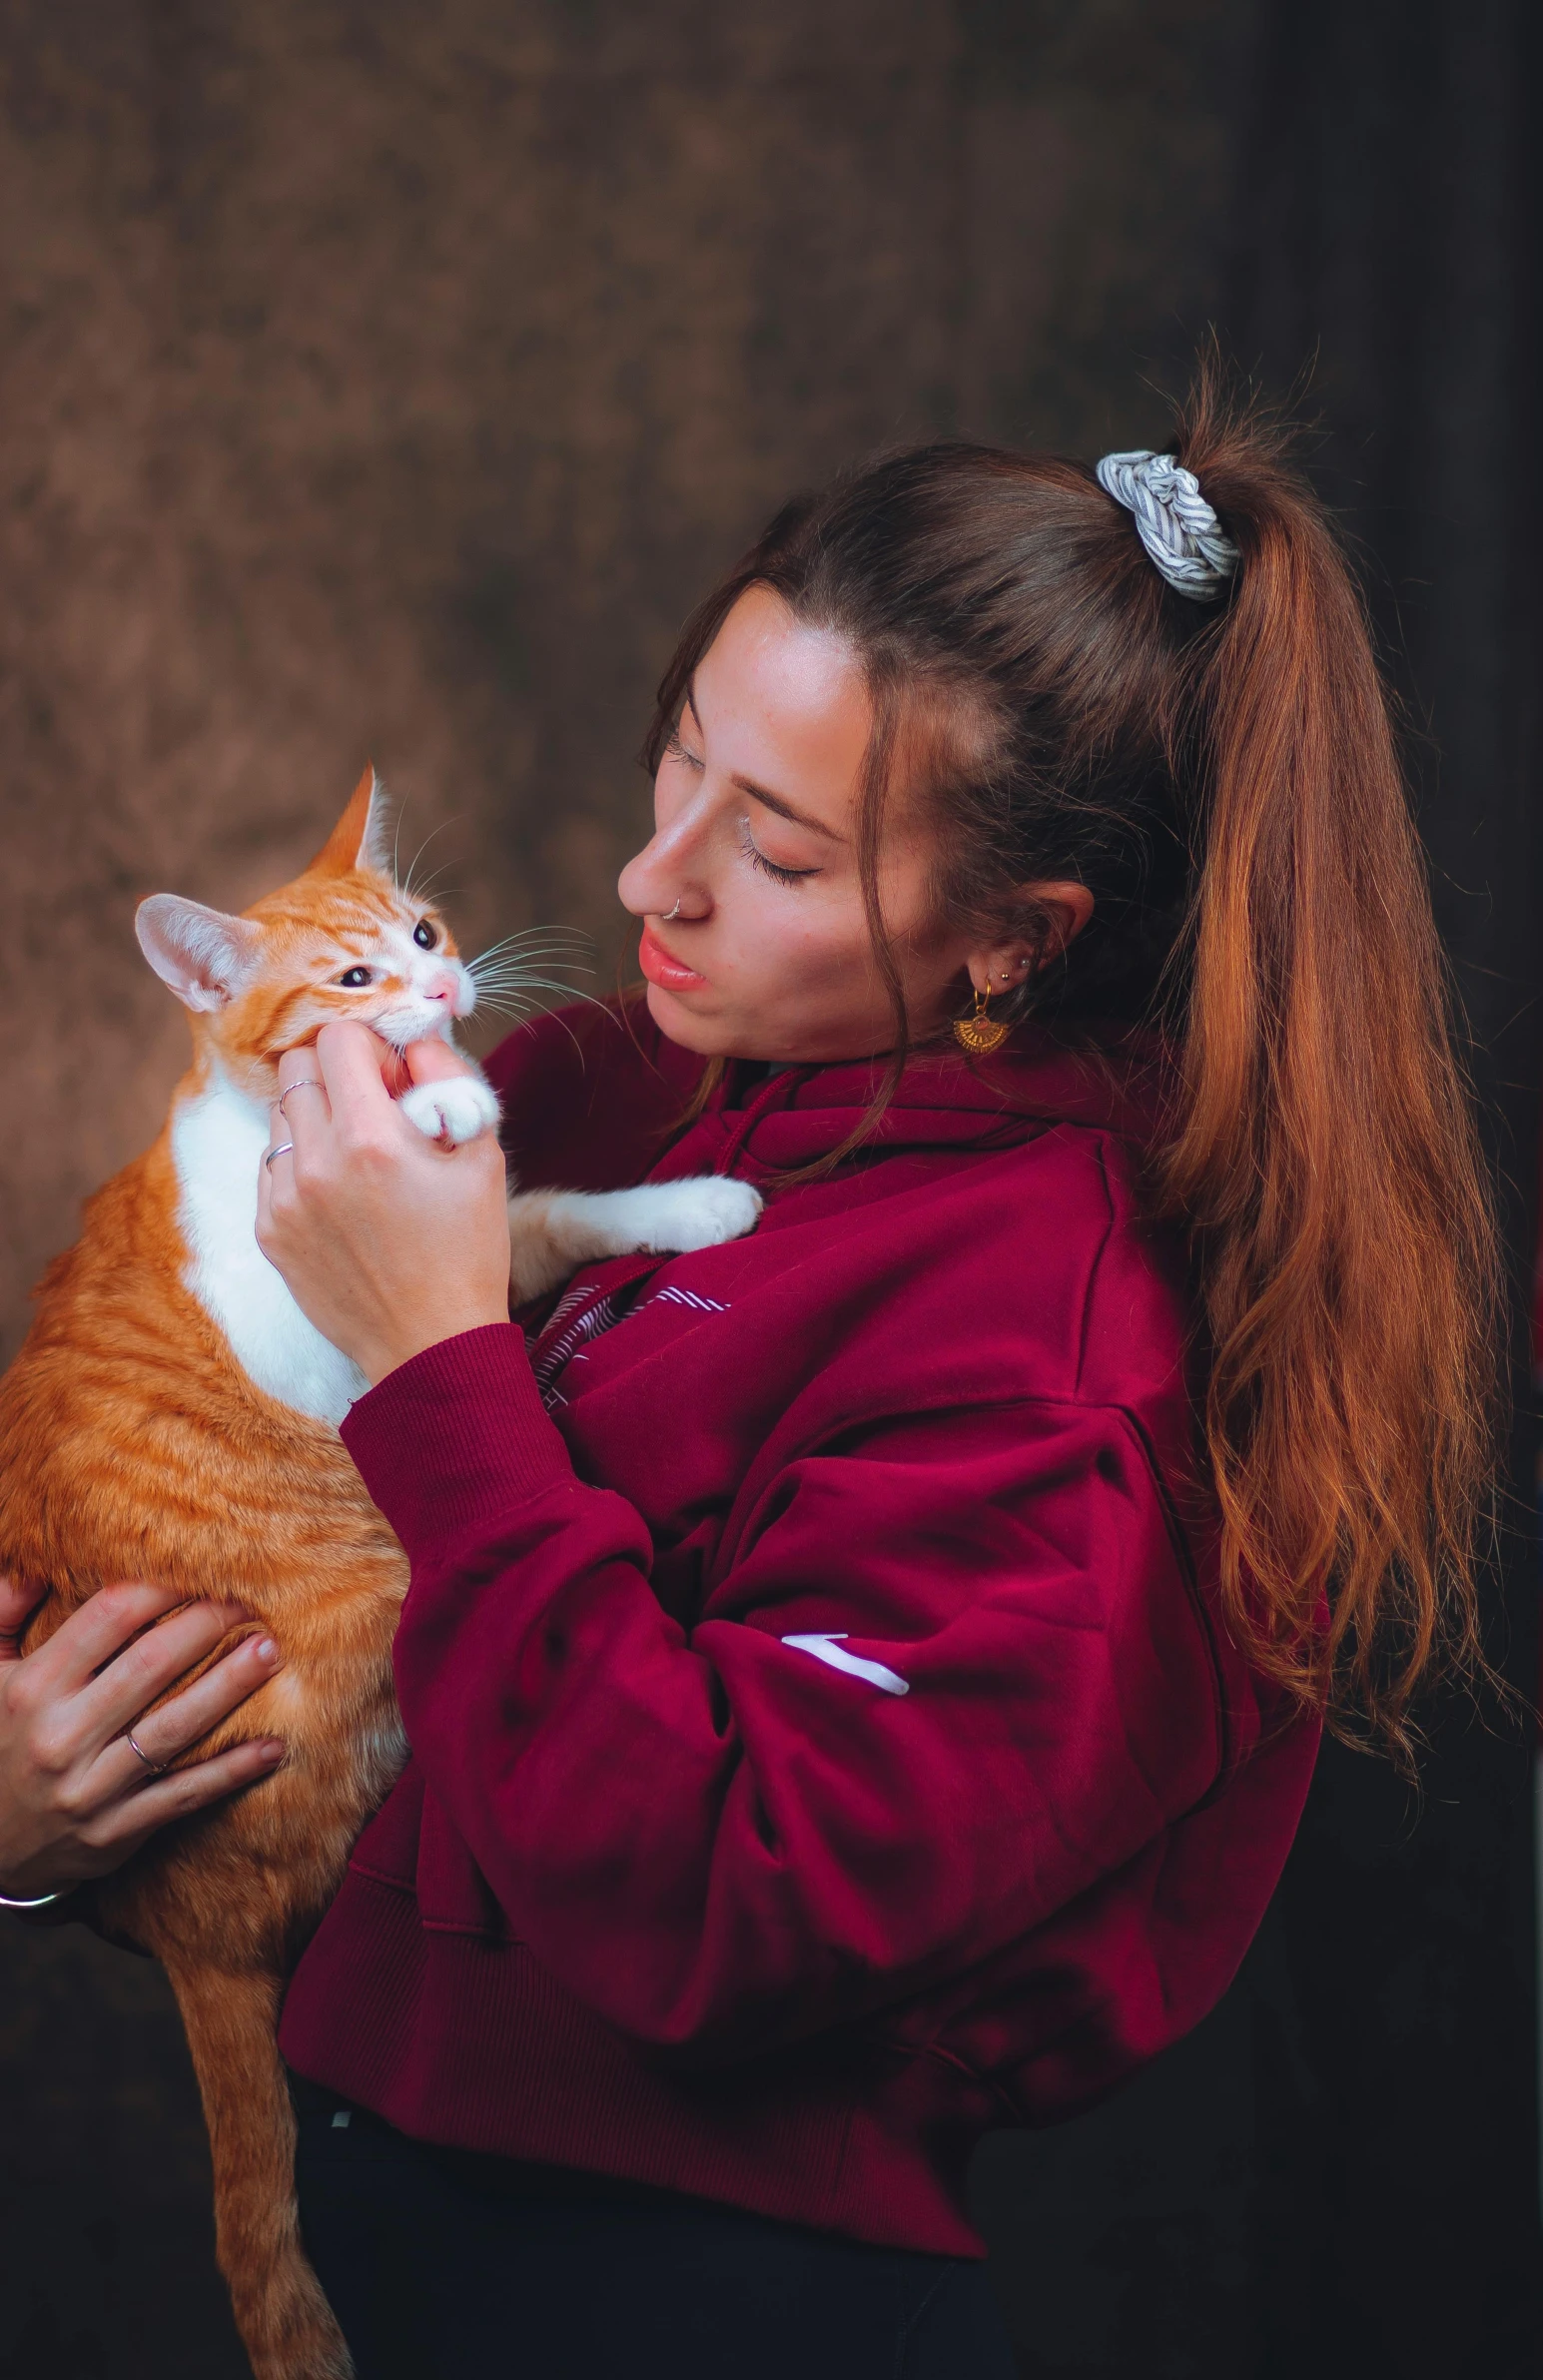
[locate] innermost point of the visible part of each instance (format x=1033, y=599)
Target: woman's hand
x=75, y=1797
x=386, y=1241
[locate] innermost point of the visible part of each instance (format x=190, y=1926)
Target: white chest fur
x=218, y=1140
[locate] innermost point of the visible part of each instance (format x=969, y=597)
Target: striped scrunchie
x=1172, y=519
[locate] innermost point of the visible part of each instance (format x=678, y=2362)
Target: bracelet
x=42, y=1901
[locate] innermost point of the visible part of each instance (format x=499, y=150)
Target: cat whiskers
x=532, y=938
x=509, y=971
x=505, y=997
x=514, y=964
x=426, y=889
x=404, y=884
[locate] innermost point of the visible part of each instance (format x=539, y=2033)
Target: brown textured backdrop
x=384, y=380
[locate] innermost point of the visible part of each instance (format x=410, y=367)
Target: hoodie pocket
x=453, y=1893
x=413, y=1845
x=386, y=1852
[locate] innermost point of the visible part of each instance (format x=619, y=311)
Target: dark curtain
x=1338, y=2175
x=1390, y=226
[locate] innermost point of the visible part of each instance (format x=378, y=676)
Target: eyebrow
x=769, y=800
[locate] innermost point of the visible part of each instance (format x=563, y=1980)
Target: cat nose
x=441, y=985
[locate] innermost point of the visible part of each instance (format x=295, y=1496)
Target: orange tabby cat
x=172, y=1416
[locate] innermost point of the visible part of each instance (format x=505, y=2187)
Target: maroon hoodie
x=826, y=1742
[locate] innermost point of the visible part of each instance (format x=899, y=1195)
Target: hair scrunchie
x=1172, y=519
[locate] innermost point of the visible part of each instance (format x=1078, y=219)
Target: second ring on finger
x=306, y=1083
x=157, y=1740
x=152, y=1767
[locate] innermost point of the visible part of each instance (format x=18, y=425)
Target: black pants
x=445, y=2265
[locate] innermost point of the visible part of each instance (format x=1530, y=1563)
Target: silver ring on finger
x=156, y=1768
x=284, y=1150
x=306, y=1083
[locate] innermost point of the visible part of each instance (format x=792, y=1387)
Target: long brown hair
x=1224, y=778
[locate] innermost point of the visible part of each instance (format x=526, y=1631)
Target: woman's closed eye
x=758, y=858
x=676, y=750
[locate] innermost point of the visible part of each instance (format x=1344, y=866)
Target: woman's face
x=768, y=953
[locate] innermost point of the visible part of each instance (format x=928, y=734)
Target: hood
x=761, y=1122
x=633, y=1084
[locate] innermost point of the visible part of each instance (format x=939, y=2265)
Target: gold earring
x=980, y=1034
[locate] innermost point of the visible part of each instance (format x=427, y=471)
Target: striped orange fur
x=133, y=1444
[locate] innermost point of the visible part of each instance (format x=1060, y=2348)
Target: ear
x=359, y=840
x=204, y=955
x=1057, y=913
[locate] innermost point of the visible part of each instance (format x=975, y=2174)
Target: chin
x=705, y=1035
x=400, y=1031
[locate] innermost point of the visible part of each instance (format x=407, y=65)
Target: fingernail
x=267, y=1649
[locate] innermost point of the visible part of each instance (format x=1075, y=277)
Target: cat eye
x=423, y=935
x=355, y=979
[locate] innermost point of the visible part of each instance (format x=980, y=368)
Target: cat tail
x=287, y=2326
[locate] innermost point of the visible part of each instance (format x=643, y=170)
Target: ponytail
x=1222, y=774
x=1326, y=1163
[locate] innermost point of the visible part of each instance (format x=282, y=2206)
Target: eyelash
x=676, y=750
x=758, y=858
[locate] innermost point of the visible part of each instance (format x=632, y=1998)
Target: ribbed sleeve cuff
x=454, y=1438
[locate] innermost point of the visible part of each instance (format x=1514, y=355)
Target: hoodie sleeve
x=958, y=1674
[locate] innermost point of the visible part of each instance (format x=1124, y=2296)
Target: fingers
x=300, y=1071
x=164, y=1733
x=90, y=1636
x=17, y=1605
x=143, y=1671
x=348, y=1079
x=78, y=1796
x=130, y=1821
x=351, y=1066
x=280, y=1150
x=302, y=1096
x=394, y=1069
x=435, y=1062
x=299, y=1115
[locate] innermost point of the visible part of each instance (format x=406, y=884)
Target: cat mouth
x=421, y=1025
x=398, y=1030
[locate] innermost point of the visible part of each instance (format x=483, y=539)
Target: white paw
x=454, y=1111
x=700, y=1214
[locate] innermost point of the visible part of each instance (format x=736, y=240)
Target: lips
x=670, y=974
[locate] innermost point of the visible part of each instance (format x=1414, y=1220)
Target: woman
x=863, y=1680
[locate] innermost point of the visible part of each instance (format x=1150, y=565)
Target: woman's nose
x=654, y=883
x=637, y=885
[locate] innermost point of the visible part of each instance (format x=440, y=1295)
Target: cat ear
x=204, y=955
x=360, y=839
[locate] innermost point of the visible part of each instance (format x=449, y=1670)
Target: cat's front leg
x=552, y=1233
